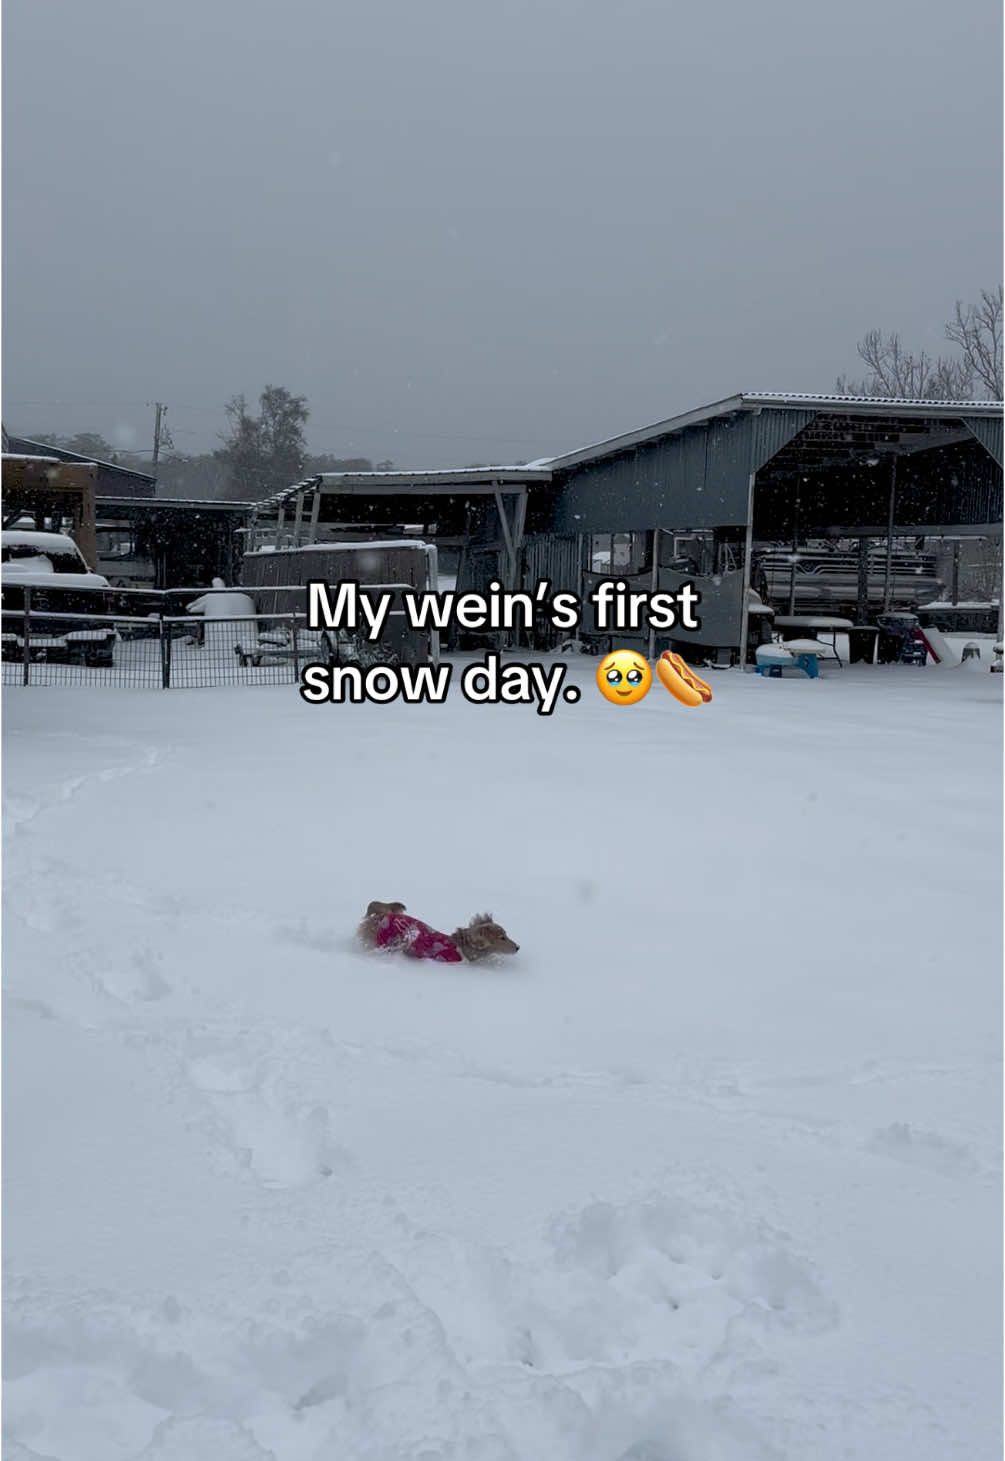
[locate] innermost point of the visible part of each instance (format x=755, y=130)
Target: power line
x=77, y=403
x=344, y=430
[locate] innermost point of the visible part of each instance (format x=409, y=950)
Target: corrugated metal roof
x=779, y=400
x=148, y=504
x=945, y=408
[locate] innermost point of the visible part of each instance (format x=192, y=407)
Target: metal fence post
x=26, y=630
x=165, y=654
x=296, y=649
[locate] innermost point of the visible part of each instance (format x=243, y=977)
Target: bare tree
x=977, y=330
x=894, y=371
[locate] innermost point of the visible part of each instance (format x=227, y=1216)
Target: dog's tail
x=377, y=910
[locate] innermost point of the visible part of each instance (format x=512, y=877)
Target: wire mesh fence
x=179, y=638
x=164, y=653
x=170, y=652
x=66, y=649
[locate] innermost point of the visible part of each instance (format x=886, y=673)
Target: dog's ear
x=480, y=919
x=478, y=937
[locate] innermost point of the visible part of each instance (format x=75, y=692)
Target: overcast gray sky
x=473, y=231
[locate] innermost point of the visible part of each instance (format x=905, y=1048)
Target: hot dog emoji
x=683, y=684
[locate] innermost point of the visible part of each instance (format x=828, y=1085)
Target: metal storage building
x=697, y=497
x=770, y=468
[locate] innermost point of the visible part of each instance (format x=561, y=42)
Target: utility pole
x=160, y=410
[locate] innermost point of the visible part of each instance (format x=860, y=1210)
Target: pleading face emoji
x=624, y=677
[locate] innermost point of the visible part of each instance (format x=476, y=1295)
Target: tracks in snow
x=617, y=1336
x=20, y=807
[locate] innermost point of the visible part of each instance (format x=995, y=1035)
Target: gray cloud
x=472, y=231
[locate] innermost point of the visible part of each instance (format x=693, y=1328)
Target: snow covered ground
x=710, y=1171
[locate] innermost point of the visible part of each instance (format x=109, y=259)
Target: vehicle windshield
x=62, y=562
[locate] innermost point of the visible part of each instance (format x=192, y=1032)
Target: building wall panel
x=988, y=431
x=695, y=479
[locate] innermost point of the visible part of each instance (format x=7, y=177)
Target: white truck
x=55, y=571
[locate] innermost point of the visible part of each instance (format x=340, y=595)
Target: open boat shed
x=839, y=497
x=475, y=513
x=172, y=542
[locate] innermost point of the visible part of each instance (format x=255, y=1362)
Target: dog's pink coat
x=410, y=936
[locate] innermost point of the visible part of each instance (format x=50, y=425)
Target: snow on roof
x=218, y=504
x=19, y=456
x=433, y=472
x=800, y=398
x=962, y=604
x=346, y=547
